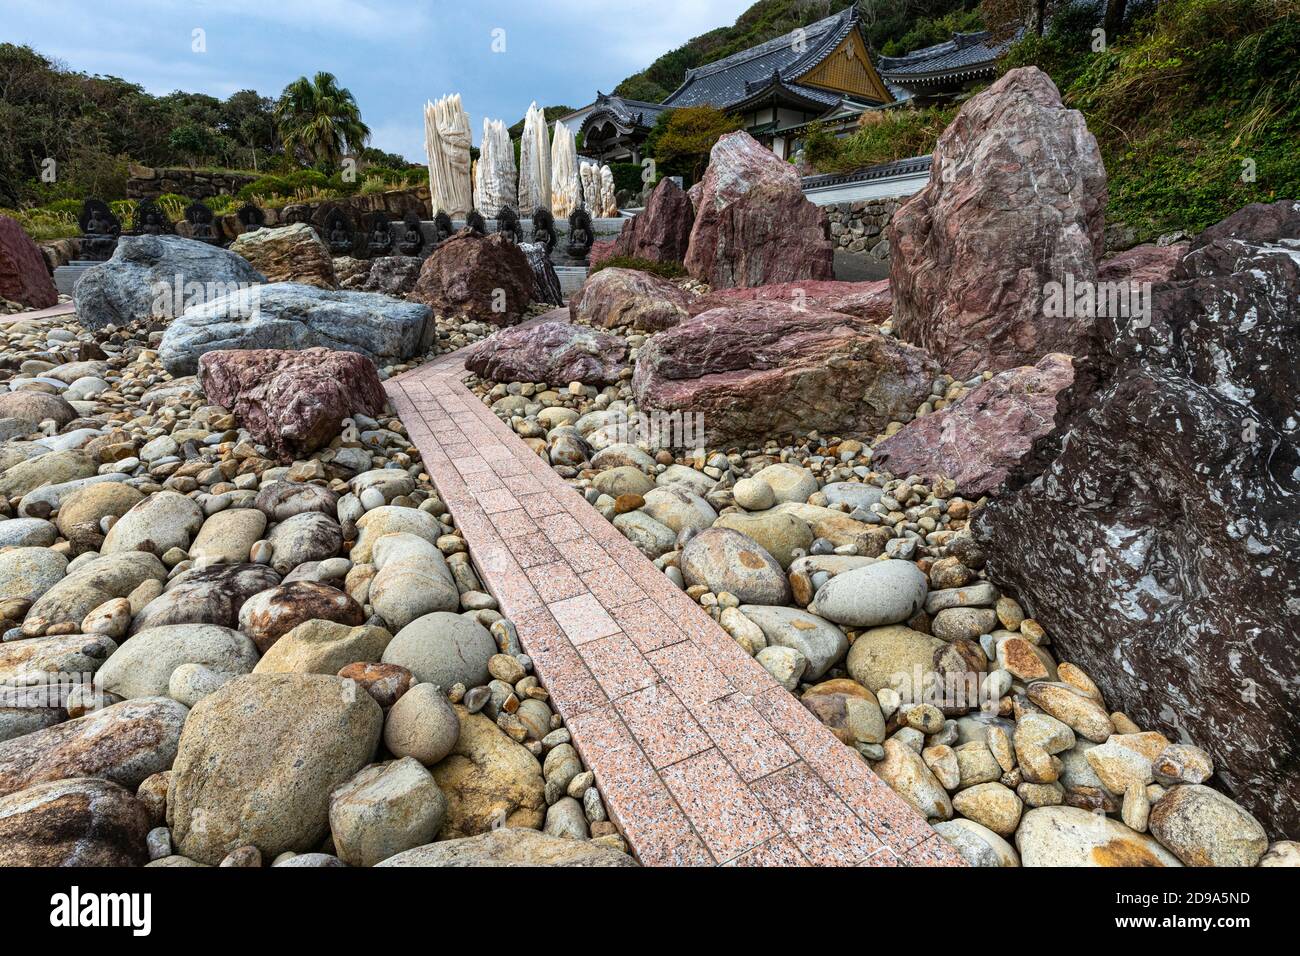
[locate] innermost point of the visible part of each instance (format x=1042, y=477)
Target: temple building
x=944, y=70
x=821, y=71
x=613, y=128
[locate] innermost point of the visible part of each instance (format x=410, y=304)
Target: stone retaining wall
x=144, y=182
x=860, y=227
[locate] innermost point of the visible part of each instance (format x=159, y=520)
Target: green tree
x=682, y=138
x=320, y=119
x=194, y=141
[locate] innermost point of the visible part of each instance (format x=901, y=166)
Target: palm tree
x=321, y=118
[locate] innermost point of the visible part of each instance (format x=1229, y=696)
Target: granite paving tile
x=662, y=725
x=719, y=805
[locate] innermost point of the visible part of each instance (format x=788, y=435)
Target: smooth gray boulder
x=289, y=315
x=817, y=639
x=142, y=280
x=887, y=592
x=444, y=649
x=142, y=666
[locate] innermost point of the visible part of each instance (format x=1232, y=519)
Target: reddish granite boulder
x=602, y=250
x=1016, y=201
x=1154, y=532
x=292, y=402
x=979, y=439
x=763, y=368
x=23, y=276
x=554, y=352
x=867, y=300
x=753, y=225
x=487, y=278
x=662, y=232
x=646, y=302
x=1149, y=263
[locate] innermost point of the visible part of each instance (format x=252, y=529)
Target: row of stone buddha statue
x=101, y=228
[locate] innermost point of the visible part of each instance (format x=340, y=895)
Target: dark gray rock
x=546, y=284
x=1159, y=545
x=141, y=280
x=287, y=315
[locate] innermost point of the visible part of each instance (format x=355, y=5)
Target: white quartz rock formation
x=447, y=143
x=566, y=191
x=589, y=176
x=534, y=164
x=608, y=202
x=494, y=184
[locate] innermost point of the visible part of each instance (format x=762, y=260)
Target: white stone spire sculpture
x=534, y=163
x=494, y=185
x=566, y=189
x=447, y=143
x=589, y=176
x=608, y=201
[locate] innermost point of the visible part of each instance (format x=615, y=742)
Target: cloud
x=392, y=54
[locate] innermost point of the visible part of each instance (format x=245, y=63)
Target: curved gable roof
x=735, y=79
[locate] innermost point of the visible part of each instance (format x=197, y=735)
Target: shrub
x=627, y=177
x=882, y=136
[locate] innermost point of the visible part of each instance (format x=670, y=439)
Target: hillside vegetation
x=1196, y=109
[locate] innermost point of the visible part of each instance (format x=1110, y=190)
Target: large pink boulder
x=555, y=352
x=866, y=300
x=486, y=278
x=757, y=369
x=294, y=402
x=979, y=439
x=662, y=232
x=614, y=297
x=753, y=225
x=23, y=276
x=1016, y=201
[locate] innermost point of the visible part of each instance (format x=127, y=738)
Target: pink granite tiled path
x=702, y=758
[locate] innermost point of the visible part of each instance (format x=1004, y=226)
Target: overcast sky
x=392, y=54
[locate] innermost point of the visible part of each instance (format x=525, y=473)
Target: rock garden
x=946, y=522
x=1029, y=557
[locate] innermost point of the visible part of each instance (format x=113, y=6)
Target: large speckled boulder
x=123, y=743
x=288, y=254
x=289, y=315
x=627, y=297
x=80, y=821
x=490, y=781
x=127, y=287
x=1070, y=836
x=259, y=758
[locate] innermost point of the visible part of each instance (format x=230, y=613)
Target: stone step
x=65, y=277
